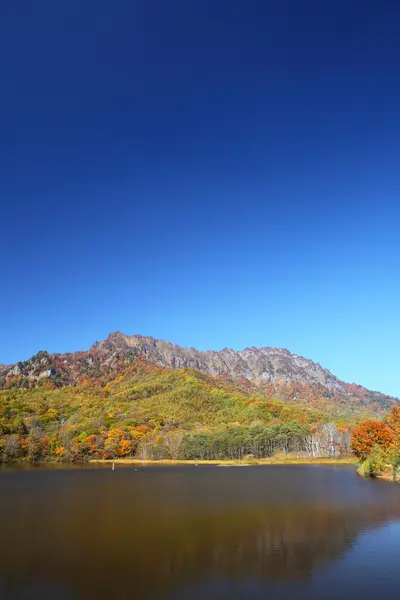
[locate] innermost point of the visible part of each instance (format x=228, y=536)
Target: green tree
x=393, y=457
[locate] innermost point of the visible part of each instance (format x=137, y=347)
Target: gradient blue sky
x=216, y=173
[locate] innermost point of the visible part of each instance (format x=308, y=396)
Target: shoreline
x=386, y=475
x=228, y=462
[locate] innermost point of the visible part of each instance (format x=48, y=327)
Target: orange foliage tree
x=369, y=433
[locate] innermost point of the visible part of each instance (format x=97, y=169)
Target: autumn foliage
x=150, y=412
x=369, y=434
x=377, y=444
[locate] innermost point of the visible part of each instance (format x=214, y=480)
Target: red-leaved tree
x=369, y=433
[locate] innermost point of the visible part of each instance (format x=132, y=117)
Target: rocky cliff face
x=256, y=364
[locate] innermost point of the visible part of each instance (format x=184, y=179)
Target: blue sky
x=219, y=173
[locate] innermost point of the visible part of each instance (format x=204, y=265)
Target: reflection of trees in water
x=95, y=544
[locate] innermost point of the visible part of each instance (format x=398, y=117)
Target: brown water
x=185, y=533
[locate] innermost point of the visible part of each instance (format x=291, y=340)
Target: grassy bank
x=273, y=460
x=385, y=475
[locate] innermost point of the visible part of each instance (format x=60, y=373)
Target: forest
x=149, y=412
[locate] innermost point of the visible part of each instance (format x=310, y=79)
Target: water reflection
x=146, y=533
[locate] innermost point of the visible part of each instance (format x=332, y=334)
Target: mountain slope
x=149, y=411
x=273, y=371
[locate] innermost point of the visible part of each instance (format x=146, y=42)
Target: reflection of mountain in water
x=103, y=537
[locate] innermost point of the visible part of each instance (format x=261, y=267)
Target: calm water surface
x=181, y=533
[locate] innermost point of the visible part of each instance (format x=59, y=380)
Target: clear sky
x=216, y=173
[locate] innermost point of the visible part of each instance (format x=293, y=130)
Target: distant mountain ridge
x=276, y=370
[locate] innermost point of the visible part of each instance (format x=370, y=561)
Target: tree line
x=325, y=440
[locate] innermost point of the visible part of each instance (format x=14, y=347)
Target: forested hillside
x=271, y=372
x=139, y=409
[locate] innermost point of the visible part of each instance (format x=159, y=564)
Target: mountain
x=273, y=371
x=135, y=396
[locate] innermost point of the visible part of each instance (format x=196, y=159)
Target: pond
x=186, y=532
